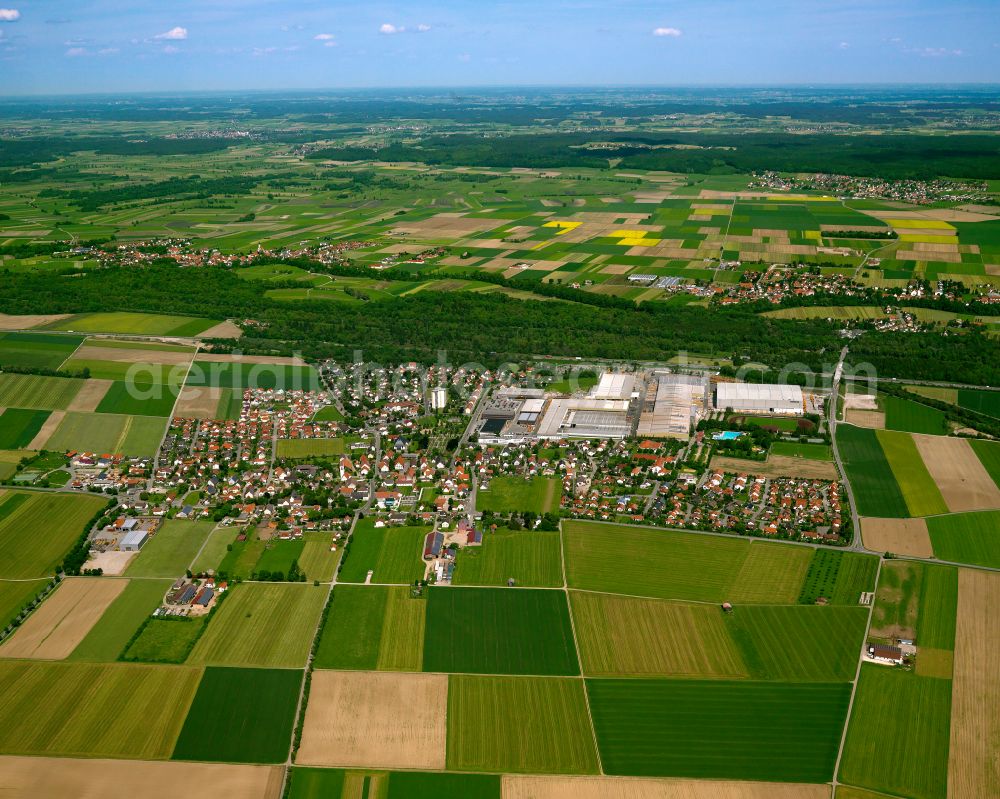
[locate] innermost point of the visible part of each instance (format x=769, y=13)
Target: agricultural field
x=15, y=594
x=378, y=720
x=318, y=561
x=373, y=627
x=787, y=732
x=108, y=433
x=960, y=475
x=911, y=416
x=329, y=783
x=213, y=550
x=967, y=538
x=34, y=350
x=875, y=488
x=532, y=559
x=134, y=324
x=130, y=710
x=772, y=574
x=165, y=640
x=519, y=725
x=305, y=448
x=107, y=639
x=260, y=624
x=897, y=741
x=18, y=427
x=139, y=399
x=499, y=631
x=37, y=392
x=919, y=491
x=392, y=553
x=37, y=531
x=810, y=452
x=258, y=703
x=513, y=494
x=840, y=577
x=170, y=551
x=250, y=374
x=988, y=453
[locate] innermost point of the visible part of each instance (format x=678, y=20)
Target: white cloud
x=388, y=29
x=674, y=32
x=845, y=45
x=108, y=51
x=174, y=34
x=323, y=37
x=75, y=52
x=934, y=52
x=423, y=28
x=9, y=15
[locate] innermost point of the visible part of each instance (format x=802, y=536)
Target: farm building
x=133, y=540
x=766, y=398
x=885, y=654
x=433, y=542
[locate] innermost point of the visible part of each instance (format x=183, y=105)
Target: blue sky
x=81, y=46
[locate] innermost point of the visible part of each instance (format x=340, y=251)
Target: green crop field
x=654, y=563
x=922, y=496
x=304, y=448
x=787, y=732
x=395, y=554
x=772, y=574
x=213, y=550
x=18, y=426
x=37, y=532
x=263, y=624
x=897, y=600
x=146, y=373
x=499, y=631
x=135, y=323
x=624, y=636
x=505, y=494
x=938, y=608
x=531, y=558
x=799, y=643
x=121, y=620
x=898, y=737
x=37, y=392
x=166, y=640
x=987, y=402
x=92, y=709
x=329, y=783
x=811, y=452
x=912, y=417
x=240, y=562
x=373, y=627
x=15, y=594
x=248, y=374
x=967, y=537
x=841, y=577
x=169, y=552
x=36, y=350
x=318, y=561
x=875, y=488
x=278, y=555
x=241, y=716
x=148, y=399
x=108, y=433
x=988, y=453
x=518, y=725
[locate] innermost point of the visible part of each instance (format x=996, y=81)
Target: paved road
x=856, y=543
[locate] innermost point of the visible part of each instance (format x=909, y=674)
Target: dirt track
x=516, y=787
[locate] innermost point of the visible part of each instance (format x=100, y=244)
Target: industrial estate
x=343, y=455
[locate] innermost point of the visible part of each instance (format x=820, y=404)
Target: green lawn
x=531, y=558
x=170, y=551
x=214, y=550
x=898, y=737
x=499, y=631
x=514, y=494
x=812, y=452
x=305, y=448
x=714, y=729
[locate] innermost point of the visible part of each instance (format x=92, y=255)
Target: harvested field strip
x=53, y=631
x=90, y=396
x=519, y=725
x=967, y=538
x=527, y=787
x=975, y=723
x=371, y=719
x=964, y=482
x=778, y=466
x=121, y=620
x=720, y=730
x=876, y=491
x=909, y=754
x=255, y=706
x=624, y=636
x=898, y=536
x=93, y=710
x=499, y=631
x=919, y=491
x=652, y=563
x=799, y=643
x=125, y=779
x=263, y=624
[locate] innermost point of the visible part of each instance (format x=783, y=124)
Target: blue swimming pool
x=728, y=435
